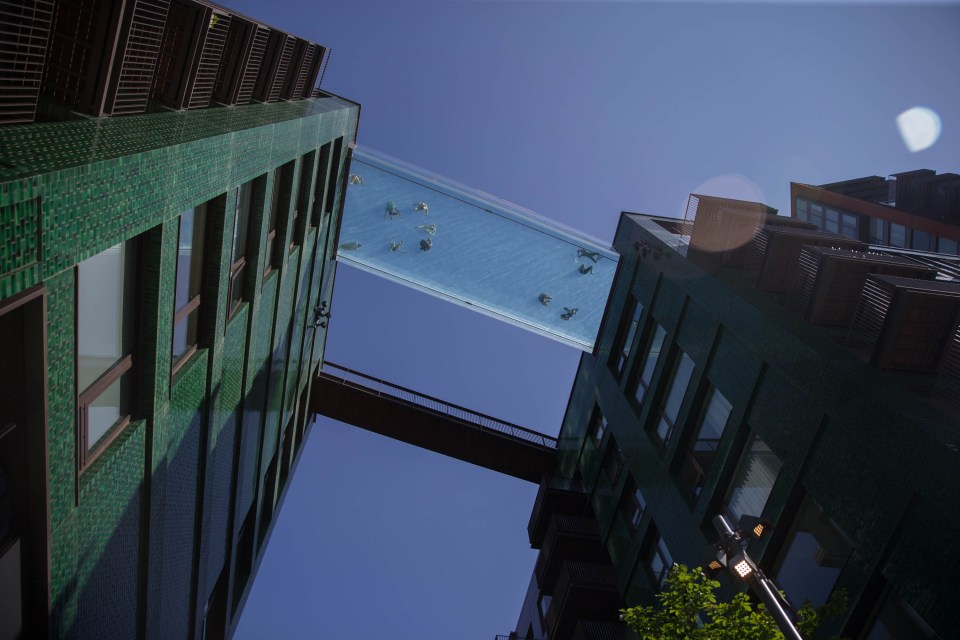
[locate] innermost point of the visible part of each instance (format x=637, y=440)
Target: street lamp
x=731, y=553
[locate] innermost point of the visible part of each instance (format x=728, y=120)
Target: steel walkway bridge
x=430, y=423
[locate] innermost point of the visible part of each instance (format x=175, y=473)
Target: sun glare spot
x=919, y=127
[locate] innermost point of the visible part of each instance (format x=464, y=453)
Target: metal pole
x=771, y=597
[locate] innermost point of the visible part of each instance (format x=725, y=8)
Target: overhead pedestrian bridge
x=430, y=423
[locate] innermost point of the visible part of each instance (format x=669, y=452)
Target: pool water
x=483, y=253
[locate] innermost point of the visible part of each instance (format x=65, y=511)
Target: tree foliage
x=688, y=610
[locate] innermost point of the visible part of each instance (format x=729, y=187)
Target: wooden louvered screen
x=130, y=92
x=75, y=59
x=205, y=76
x=868, y=319
x=254, y=61
x=24, y=32
x=273, y=69
x=298, y=69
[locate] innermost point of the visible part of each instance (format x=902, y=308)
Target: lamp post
x=731, y=553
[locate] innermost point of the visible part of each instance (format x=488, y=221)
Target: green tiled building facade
x=154, y=528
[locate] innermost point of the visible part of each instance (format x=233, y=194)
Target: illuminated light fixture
x=742, y=567
x=755, y=527
x=714, y=560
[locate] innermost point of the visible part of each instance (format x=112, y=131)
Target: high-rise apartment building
x=912, y=210
x=164, y=276
x=770, y=369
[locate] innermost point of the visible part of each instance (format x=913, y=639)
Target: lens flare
x=919, y=127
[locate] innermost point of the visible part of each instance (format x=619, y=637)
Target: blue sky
x=576, y=110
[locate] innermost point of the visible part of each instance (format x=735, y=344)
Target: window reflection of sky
x=475, y=251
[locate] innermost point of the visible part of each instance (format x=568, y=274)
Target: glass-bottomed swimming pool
x=460, y=244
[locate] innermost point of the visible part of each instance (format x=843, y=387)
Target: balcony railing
x=483, y=421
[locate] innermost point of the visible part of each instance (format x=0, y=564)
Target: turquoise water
x=484, y=253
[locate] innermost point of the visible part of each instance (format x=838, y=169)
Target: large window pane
x=105, y=304
x=108, y=408
x=625, y=335
x=754, y=479
x=244, y=203
x=674, y=397
x=814, y=554
x=878, y=231
x=704, y=441
x=649, y=362
x=946, y=245
x=898, y=235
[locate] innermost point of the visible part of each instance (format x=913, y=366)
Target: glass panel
x=878, y=231
x=832, y=222
x=946, y=245
x=650, y=362
x=897, y=620
x=244, y=203
x=801, y=207
x=898, y=235
x=816, y=215
x=640, y=505
x=622, y=350
x=599, y=427
x=850, y=226
x=922, y=241
x=105, y=303
x=674, y=398
x=109, y=407
x=189, y=256
x=713, y=422
x=815, y=554
x=236, y=288
x=754, y=479
x=473, y=249
x=185, y=334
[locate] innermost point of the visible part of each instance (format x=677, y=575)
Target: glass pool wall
x=474, y=249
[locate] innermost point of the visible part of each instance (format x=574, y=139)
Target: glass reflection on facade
x=754, y=479
x=471, y=248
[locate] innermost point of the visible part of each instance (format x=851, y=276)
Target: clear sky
x=576, y=110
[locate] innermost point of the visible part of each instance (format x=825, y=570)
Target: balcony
x=904, y=324
x=595, y=630
x=562, y=496
x=775, y=253
x=584, y=591
x=567, y=538
x=829, y=281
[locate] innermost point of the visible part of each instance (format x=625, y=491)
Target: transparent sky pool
x=484, y=253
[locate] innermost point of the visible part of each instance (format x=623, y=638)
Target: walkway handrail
x=382, y=387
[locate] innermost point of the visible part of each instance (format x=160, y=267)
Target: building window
x=897, y=620
x=657, y=557
x=613, y=461
x=946, y=245
x=801, y=208
x=673, y=398
x=923, y=241
x=632, y=503
x=625, y=334
x=302, y=201
x=598, y=426
x=753, y=480
x=898, y=235
x=832, y=221
x=648, y=363
x=816, y=215
x=705, y=441
x=279, y=207
x=878, y=231
x=238, y=258
x=813, y=556
x=850, y=226
x=186, y=316
x=106, y=326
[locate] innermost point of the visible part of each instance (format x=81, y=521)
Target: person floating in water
x=391, y=210
x=429, y=228
x=421, y=206
x=584, y=269
x=583, y=253
x=355, y=179
x=545, y=299
x=426, y=245
x=569, y=313
x=395, y=245
x=350, y=246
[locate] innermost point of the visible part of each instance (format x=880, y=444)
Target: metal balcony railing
x=462, y=414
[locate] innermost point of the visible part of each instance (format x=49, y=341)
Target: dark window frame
x=613, y=461
x=652, y=331
x=193, y=304
x=632, y=503
x=625, y=336
x=661, y=416
x=87, y=455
